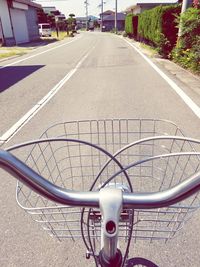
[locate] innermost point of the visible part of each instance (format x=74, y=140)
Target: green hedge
x=131, y=25
x=158, y=27
x=187, y=52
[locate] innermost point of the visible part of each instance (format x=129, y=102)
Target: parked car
x=44, y=29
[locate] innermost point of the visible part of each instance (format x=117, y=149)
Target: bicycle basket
x=77, y=166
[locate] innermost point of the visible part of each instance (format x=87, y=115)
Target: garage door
x=19, y=26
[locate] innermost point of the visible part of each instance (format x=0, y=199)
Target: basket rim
x=60, y=139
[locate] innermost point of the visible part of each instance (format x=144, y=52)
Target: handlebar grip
x=45, y=188
x=165, y=198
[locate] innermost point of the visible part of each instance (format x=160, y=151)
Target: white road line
x=32, y=112
x=38, y=54
x=188, y=101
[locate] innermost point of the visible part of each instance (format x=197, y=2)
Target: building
x=109, y=22
x=81, y=22
x=106, y=13
x=141, y=5
x=18, y=21
x=49, y=9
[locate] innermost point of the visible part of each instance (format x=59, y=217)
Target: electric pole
x=86, y=12
x=185, y=5
x=116, y=16
x=101, y=15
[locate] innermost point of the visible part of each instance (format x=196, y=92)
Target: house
x=109, y=22
x=49, y=9
x=18, y=21
x=141, y=5
x=81, y=22
x=106, y=13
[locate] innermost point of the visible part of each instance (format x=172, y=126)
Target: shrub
x=131, y=25
x=157, y=26
x=187, y=52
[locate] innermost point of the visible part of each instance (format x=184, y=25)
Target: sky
x=77, y=7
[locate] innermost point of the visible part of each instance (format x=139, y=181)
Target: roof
x=49, y=8
x=120, y=16
x=29, y=3
x=150, y=3
x=107, y=12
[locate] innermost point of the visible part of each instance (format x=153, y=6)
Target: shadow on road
x=11, y=75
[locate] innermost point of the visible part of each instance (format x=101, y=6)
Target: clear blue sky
x=77, y=6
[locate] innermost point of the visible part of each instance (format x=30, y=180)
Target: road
x=94, y=75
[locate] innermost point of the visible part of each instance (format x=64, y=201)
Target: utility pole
x=86, y=12
x=101, y=15
x=116, y=16
x=185, y=5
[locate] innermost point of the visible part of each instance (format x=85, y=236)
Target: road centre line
x=33, y=111
x=38, y=54
x=188, y=101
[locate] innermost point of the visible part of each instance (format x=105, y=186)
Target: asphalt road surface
x=93, y=76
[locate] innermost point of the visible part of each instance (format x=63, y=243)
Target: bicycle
x=151, y=170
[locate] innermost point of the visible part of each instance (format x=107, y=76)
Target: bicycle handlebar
x=60, y=195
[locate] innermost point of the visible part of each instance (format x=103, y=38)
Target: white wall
x=5, y=19
x=137, y=10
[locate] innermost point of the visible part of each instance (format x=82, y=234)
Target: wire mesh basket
x=159, y=160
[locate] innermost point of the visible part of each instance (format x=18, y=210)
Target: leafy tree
x=41, y=15
x=71, y=23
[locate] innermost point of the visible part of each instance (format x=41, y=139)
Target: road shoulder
x=180, y=75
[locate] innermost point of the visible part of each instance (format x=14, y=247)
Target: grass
x=152, y=51
x=6, y=52
x=61, y=35
x=11, y=51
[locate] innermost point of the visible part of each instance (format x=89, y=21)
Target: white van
x=44, y=29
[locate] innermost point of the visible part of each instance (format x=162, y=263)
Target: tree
x=42, y=17
x=71, y=23
x=71, y=15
